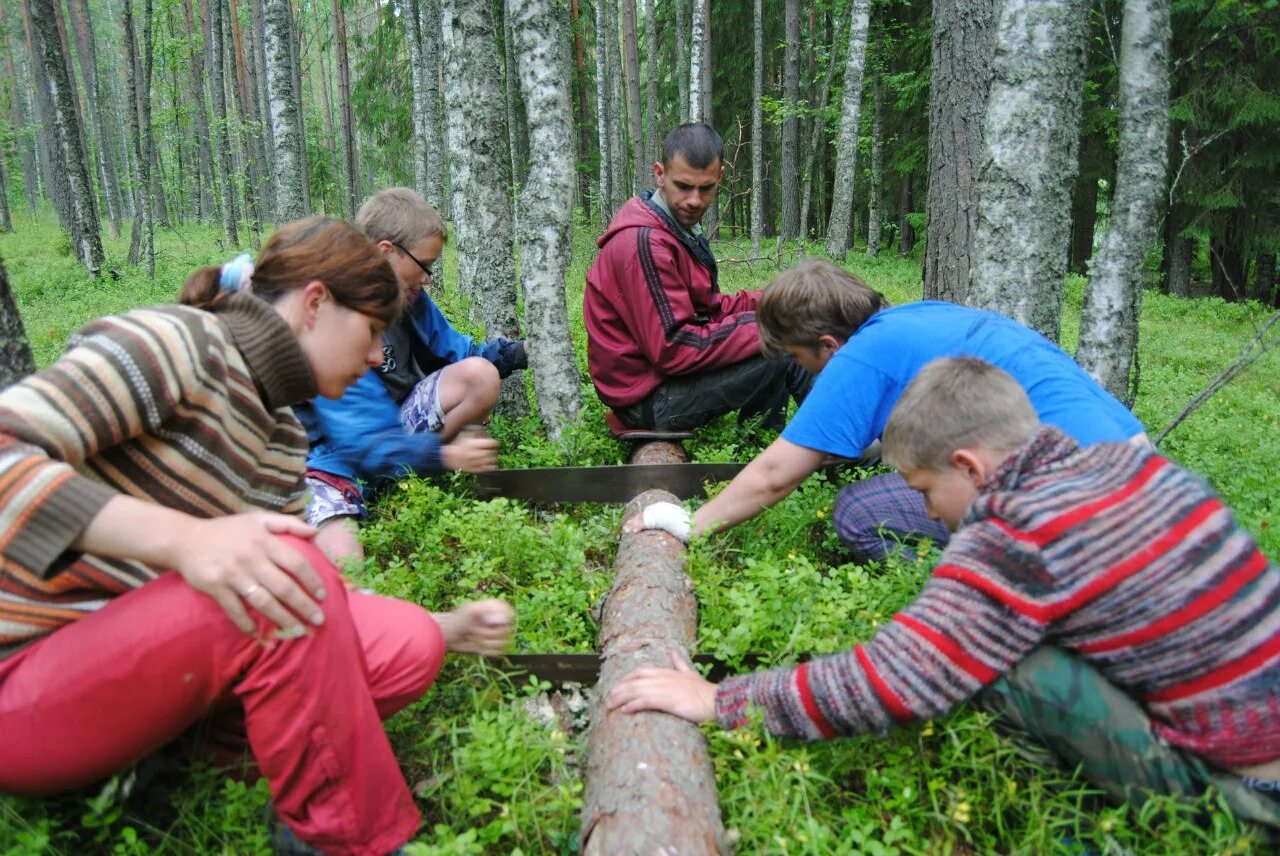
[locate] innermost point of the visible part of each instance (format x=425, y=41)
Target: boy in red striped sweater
x=1102, y=599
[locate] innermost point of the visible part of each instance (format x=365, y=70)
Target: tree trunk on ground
x=1084, y=217
x=584, y=119
x=684, y=55
x=80, y=20
x=65, y=133
x=652, y=134
x=604, y=116
x=839, y=229
x=876, y=190
x=791, y=122
x=283, y=98
x=16, y=361
x=697, y=56
x=964, y=35
x=350, y=158
x=1109, y=320
x=757, y=131
x=546, y=244
x=650, y=783
x=817, y=143
x=631, y=57
x=222, y=143
x=478, y=146
x=1029, y=167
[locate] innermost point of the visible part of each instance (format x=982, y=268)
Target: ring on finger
x=248, y=592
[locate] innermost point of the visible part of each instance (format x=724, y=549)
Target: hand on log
x=680, y=691
x=665, y=516
x=482, y=627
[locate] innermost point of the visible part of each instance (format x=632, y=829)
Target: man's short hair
x=814, y=298
x=697, y=142
x=400, y=215
x=956, y=403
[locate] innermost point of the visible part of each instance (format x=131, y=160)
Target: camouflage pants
x=1085, y=720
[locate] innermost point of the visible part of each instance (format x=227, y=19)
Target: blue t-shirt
x=852, y=397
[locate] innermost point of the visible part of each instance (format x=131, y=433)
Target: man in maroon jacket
x=666, y=349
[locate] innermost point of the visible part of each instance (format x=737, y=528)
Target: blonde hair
x=400, y=215
x=814, y=298
x=956, y=403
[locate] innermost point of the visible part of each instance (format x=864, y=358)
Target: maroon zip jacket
x=652, y=310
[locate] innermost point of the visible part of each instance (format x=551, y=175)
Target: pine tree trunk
x=1264, y=277
x=684, y=56
x=1227, y=257
x=964, y=34
x=481, y=203
x=697, y=57
x=652, y=134
x=55, y=177
x=618, y=110
x=142, y=230
x=419, y=109
x=65, y=133
x=16, y=361
x=757, y=129
x=431, y=56
x=584, y=111
x=1109, y=319
x=259, y=131
x=80, y=20
x=20, y=109
x=204, y=153
x=259, y=31
x=839, y=231
x=283, y=96
x=791, y=122
x=546, y=241
x=817, y=144
x=242, y=92
x=906, y=204
x=876, y=190
x=631, y=51
x=222, y=143
x=6, y=222
x=1029, y=166
x=1178, y=250
x=604, y=116
x=1084, y=217
x=350, y=158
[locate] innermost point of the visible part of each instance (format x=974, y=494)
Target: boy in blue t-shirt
x=864, y=353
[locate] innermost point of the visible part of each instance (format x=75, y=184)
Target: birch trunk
x=81, y=22
x=757, y=129
x=6, y=222
x=420, y=113
x=65, y=133
x=706, y=71
x=282, y=100
x=684, y=56
x=546, y=245
x=517, y=127
x=697, y=56
x=962, y=46
x=478, y=149
x=258, y=31
x=652, y=135
x=16, y=361
x=55, y=178
x=222, y=143
x=584, y=118
x=617, y=109
x=1109, y=319
x=631, y=49
x=141, y=199
x=350, y=158
x=817, y=143
x=790, y=172
x=840, y=227
x=1029, y=166
x=603, y=115
x=876, y=190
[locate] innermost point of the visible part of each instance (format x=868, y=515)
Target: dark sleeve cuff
x=57, y=522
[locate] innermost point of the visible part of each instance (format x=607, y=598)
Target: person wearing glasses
x=408, y=414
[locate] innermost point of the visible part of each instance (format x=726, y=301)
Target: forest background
x=140, y=142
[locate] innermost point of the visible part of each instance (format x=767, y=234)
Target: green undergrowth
x=495, y=770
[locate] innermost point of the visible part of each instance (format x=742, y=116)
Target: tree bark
x=650, y=784
x=707, y=67
x=350, y=159
x=817, y=143
x=66, y=137
x=697, y=57
x=652, y=134
x=684, y=56
x=6, y=222
x=1109, y=319
x=420, y=109
x=16, y=361
x=546, y=242
x=876, y=190
x=55, y=178
x=20, y=109
x=517, y=127
x=1227, y=257
x=757, y=129
x=1264, y=278
x=283, y=98
x=791, y=122
x=258, y=32
x=1029, y=166
x=618, y=110
x=217, y=54
x=481, y=203
x=839, y=228
x=81, y=23
x=906, y=204
x=204, y=152
x=242, y=94
x=1084, y=218
x=584, y=111
x=962, y=46
x=604, y=115
x=631, y=51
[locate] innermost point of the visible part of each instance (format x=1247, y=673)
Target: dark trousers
x=752, y=387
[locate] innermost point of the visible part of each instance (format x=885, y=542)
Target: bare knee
x=478, y=378
x=337, y=538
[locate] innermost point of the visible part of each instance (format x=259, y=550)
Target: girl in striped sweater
x=154, y=571
x=1103, y=599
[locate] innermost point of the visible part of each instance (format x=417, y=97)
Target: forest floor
x=497, y=769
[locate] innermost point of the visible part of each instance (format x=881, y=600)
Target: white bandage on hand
x=668, y=517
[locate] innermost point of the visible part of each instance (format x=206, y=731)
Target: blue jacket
x=359, y=436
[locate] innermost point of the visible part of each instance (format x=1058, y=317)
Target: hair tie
x=236, y=273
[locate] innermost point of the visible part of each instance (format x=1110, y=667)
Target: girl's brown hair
x=315, y=248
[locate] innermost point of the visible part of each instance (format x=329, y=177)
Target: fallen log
x=650, y=785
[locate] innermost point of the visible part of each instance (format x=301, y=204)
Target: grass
x=492, y=775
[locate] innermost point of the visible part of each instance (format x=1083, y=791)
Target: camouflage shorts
x=1068, y=706
x=330, y=496
x=421, y=410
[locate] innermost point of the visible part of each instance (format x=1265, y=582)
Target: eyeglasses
x=426, y=268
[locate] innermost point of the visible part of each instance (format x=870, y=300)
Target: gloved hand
x=516, y=356
x=668, y=517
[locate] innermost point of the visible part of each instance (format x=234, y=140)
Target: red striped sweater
x=1111, y=552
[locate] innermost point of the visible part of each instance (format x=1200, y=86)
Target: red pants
x=115, y=686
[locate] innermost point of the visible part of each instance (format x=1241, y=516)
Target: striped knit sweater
x=1111, y=552
x=180, y=406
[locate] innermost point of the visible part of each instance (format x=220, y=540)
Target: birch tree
x=350, y=157
x=547, y=205
x=604, y=116
x=68, y=152
x=1109, y=320
x=963, y=42
x=55, y=177
x=757, y=129
x=876, y=190
x=652, y=134
x=1030, y=135
x=478, y=167
x=684, y=56
x=790, y=172
x=612, y=53
x=283, y=99
x=839, y=225
x=222, y=142
x=697, y=57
